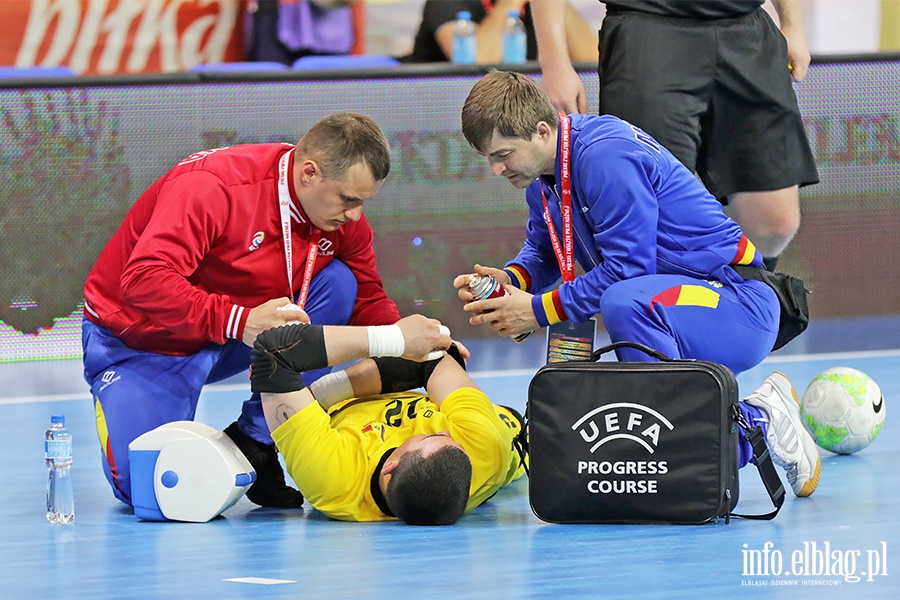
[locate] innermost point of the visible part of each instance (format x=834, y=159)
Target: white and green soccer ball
x=843, y=409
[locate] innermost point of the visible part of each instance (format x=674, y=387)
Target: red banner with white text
x=120, y=36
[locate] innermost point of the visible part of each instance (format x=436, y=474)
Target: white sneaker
x=791, y=446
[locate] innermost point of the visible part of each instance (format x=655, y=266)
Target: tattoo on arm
x=283, y=413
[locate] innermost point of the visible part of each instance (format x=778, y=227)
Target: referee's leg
x=770, y=219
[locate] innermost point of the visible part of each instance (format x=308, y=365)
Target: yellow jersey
x=332, y=456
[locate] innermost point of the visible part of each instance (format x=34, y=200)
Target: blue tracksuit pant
x=684, y=317
x=135, y=391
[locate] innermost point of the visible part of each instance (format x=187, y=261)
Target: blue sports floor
x=499, y=551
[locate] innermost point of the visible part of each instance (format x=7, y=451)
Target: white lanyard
x=315, y=234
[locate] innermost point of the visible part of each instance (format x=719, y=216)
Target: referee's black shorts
x=716, y=93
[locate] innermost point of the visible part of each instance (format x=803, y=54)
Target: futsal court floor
x=499, y=551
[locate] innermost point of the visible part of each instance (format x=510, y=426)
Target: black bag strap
x=645, y=349
x=520, y=442
x=764, y=465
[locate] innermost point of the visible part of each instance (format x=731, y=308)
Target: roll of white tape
x=436, y=354
x=291, y=307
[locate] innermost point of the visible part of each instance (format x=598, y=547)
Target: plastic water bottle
x=464, y=44
x=58, y=456
x=514, y=41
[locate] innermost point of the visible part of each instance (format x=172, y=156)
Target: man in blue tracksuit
x=656, y=248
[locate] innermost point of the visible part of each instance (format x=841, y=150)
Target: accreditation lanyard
x=490, y=5
x=563, y=251
x=315, y=234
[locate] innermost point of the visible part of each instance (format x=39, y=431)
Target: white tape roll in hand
x=436, y=354
x=291, y=307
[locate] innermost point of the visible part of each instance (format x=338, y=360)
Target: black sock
x=270, y=488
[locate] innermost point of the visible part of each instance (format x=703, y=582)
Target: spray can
x=484, y=287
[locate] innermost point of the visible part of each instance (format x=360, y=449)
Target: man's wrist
x=548, y=308
x=386, y=340
x=332, y=388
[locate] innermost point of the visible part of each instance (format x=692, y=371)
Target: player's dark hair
x=430, y=490
x=511, y=103
x=342, y=139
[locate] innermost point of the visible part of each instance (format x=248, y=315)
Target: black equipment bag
x=638, y=442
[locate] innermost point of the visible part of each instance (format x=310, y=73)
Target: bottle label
x=464, y=50
x=514, y=48
x=58, y=449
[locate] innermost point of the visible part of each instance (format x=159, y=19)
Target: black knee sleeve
x=429, y=366
x=400, y=375
x=279, y=355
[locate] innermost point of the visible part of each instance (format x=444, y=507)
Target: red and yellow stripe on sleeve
x=746, y=252
x=686, y=295
x=548, y=308
x=519, y=277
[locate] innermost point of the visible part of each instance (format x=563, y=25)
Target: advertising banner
x=73, y=160
x=120, y=36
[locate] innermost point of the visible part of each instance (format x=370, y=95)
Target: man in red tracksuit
x=229, y=243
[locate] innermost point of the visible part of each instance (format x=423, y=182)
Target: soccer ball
x=843, y=409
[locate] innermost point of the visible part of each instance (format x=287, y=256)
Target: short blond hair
x=342, y=139
x=510, y=103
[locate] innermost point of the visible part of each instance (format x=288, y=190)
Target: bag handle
x=595, y=356
x=763, y=460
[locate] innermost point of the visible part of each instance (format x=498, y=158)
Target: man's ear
x=544, y=130
x=307, y=170
x=388, y=467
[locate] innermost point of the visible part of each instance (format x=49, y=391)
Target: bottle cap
x=513, y=13
x=464, y=14
x=58, y=419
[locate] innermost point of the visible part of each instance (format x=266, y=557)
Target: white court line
x=238, y=387
x=259, y=580
x=834, y=356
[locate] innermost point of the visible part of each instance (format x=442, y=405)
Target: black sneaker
x=270, y=489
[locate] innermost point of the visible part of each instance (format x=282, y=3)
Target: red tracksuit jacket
x=203, y=245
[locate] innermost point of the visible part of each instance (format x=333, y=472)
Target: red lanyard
x=490, y=4
x=315, y=234
x=564, y=252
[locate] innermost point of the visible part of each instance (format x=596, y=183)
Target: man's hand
x=463, y=351
x=560, y=80
x=564, y=87
x=422, y=336
x=790, y=19
x=797, y=52
x=274, y=313
x=508, y=315
x=461, y=282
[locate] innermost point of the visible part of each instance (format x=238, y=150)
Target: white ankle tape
x=386, y=340
x=332, y=388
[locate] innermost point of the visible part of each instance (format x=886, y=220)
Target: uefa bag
x=638, y=442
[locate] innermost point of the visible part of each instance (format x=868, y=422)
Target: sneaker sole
x=810, y=486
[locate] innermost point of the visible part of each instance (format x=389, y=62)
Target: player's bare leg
x=770, y=219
